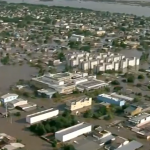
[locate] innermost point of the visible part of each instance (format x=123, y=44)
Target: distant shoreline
x=46, y=0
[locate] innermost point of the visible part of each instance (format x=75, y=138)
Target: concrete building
x=8, y=97
x=139, y=120
x=42, y=115
x=73, y=132
x=60, y=82
x=100, y=61
x=111, y=100
x=80, y=104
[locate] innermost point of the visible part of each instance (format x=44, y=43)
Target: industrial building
x=60, y=82
x=8, y=98
x=73, y=132
x=111, y=100
x=100, y=61
x=139, y=120
x=42, y=115
x=79, y=104
x=122, y=97
x=91, y=84
x=48, y=93
x=27, y=107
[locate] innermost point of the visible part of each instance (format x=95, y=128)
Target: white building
x=77, y=38
x=100, y=61
x=139, y=120
x=73, y=132
x=42, y=115
x=8, y=97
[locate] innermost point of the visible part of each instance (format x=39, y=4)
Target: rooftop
x=86, y=144
x=47, y=91
x=110, y=97
x=41, y=112
x=123, y=97
x=92, y=84
x=73, y=128
x=133, y=145
x=139, y=117
x=8, y=94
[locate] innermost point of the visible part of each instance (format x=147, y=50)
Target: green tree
x=140, y=76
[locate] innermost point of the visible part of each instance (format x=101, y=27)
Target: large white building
x=100, y=61
x=42, y=115
x=73, y=132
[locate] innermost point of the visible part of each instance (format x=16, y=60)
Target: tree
x=68, y=147
x=88, y=114
x=40, y=129
x=115, y=82
x=140, y=76
x=61, y=56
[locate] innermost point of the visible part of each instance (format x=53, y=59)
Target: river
x=100, y=6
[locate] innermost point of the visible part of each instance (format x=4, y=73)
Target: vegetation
x=141, y=76
x=115, y=82
x=63, y=121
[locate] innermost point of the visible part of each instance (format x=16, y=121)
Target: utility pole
x=6, y=110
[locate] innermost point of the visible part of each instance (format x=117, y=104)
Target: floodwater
x=9, y=75
x=99, y=6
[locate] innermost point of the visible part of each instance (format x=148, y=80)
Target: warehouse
x=111, y=100
x=73, y=132
x=91, y=85
x=42, y=115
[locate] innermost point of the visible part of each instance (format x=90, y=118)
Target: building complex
x=100, y=62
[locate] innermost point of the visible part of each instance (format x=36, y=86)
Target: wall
x=74, y=134
x=80, y=104
x=38, y=118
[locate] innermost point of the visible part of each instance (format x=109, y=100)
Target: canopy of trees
x=53, y=125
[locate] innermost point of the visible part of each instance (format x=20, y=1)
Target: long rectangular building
x=42, y=115
x=73, y=132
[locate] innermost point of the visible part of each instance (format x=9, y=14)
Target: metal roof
x=133, y=145
x=73, y=128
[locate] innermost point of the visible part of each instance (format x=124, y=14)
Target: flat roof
x=110, y=97
x=86, y=144
x=133, y=145
x=139, y=117
x=47, y=91
x=123, y=97
x=17, y=100
x=41, y=112
x=8, y=94
x=73, y=128
x=92, y=84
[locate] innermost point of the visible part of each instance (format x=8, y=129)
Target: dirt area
x=9, y=75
